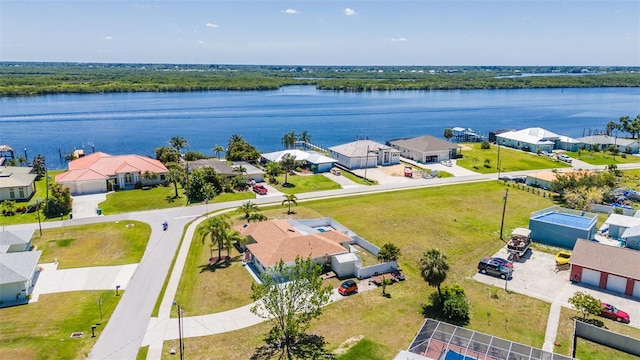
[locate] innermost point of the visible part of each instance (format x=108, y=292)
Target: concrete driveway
x=85, y=206
x=534, y=275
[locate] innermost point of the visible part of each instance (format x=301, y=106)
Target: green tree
x=256, y=217
x=59, y=202
x=304, y=136
x=247, y=209
x=434, y=267
x=166, y=155
x=217, y=150
x=288, y=140
x=193, y=156
x=150, y=176
x=288, y=163
x=39, y=166
x=9, y=207
x=448, y=134
x=585, y=304
x=239, y=150
x=199, y=188
x=289, y=297
x=388, y=252
x=216, y=229
x=384, y=283
x=22, y=160
x=240, y=170
x=273, y=170
x=611, y=125
x=231, y=237
x=178, y=143
x=174, y=176
x=290, y=199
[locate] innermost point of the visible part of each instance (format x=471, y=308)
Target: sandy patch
x=348, y=344
x=465, y=147
x=393, y=170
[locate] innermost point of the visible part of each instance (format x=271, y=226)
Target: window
x=162, y=177
x=12, y=193
x=22, y=193
x=128, y=178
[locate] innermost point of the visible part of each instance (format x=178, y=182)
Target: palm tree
x=304, y=136
x=289, y=199
x=388, y=252
x=248, y=208
x=150, y=176
x=22, y=160
x=174, y=176
x=178, y=143
x=257, y=217
x=231, y=237
x=240, y=170
x=434, y=268
x=217, y=150
x=288, y=140
x=274, y=170
x=216, y=229
x=288, y=163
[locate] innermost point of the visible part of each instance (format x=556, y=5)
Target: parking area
x=535, y=276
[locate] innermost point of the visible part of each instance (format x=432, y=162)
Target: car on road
x=613, y=313
x=348, y=287
x=495, y=268
x=260, y=189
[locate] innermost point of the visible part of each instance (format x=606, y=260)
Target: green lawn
x=305, y=183
x=415, y=221
x=124, y=201
x=103, y=244
x=41, y=330
x=511, y=160
x=603, y=158
x=357, y=179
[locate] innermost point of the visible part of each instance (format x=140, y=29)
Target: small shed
x=344, y=265
x=558, y=226
x=618, y=224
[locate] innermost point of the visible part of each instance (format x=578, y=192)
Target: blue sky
x=421, y=32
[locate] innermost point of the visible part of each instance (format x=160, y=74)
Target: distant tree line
x=31, y=79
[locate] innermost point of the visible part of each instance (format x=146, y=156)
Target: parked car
x=495, y=268
x=565, y=158
x=348, y=287
x=613, y=313
x=546, y=153
x=504, y=262
x=520, y=179
x=506, y=178
x=260, y=189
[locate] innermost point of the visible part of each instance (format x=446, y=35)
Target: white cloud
x=349, y=12
x=212, y=25
x=290, y=11
x=401, y=39
x=107, y=37
x=200, y=42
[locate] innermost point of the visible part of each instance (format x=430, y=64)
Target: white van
x=565, y=158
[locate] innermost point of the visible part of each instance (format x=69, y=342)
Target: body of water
x=121, y=123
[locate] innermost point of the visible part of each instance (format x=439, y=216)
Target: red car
x=260, y=189
x=348, y=287
x=613, y=313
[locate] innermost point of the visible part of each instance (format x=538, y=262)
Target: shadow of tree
x=216, y=263
x=592, y=321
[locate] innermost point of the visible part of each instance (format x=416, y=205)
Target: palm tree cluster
x=290, y=139
x=218, y=230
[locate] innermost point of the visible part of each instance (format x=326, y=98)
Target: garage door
x=92, y=187
x=636, y=289
x=616, y=283
x=591, y=277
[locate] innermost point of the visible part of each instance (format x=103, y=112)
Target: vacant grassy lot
x=603, y=158
x=587, y=350
x=305, y=183
x=463, y=221
x=42, y=330
x=113, y=243
x=511, y=160
x=138, y=200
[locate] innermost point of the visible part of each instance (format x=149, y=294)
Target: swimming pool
x=565, y=219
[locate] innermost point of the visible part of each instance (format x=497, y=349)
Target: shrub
x=138, y=185
x=485, y=145
x=623, y=155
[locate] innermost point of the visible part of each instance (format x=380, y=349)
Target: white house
x=362, y=154
x=318, y=162
x=602, y=142
x=16, y=183
x=18, y=267
x=531, y=139
x=15, y=241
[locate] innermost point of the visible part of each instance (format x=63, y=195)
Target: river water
x=121, y=123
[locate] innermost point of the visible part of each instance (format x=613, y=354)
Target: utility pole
x=504, y=208
x=180, y=332
x=498, y=160
x=366, y=163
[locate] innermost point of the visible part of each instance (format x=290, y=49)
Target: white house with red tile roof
x=90, y=174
